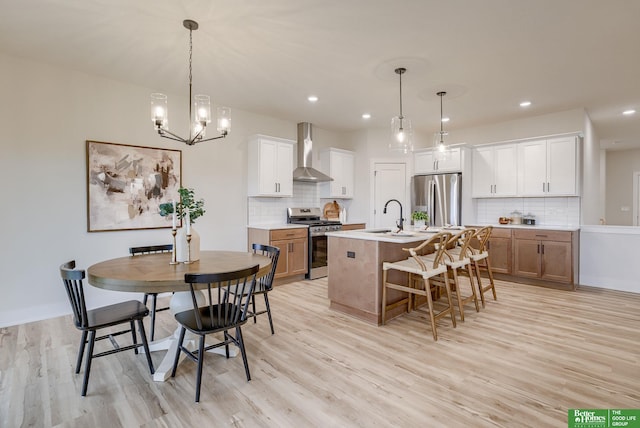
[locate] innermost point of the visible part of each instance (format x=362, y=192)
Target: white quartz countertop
x=376, y=235
x=275, y=226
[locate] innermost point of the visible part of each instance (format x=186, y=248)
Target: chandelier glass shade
x=401, y=131
x=199, y=108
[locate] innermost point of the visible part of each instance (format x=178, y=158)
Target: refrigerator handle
x=430, y=202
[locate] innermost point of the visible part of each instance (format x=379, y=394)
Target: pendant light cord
x=402, y=71
x=441, y=129
x=190, y=80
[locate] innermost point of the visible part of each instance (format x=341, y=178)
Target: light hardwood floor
x=523, y=361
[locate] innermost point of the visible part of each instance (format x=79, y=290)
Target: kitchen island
x=355, y=270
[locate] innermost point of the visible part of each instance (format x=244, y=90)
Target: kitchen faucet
x=398, y=223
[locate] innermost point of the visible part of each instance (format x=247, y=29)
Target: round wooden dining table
x=153, y=273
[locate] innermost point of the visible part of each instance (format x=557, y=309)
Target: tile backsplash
x=274, y=210
x=547, y=211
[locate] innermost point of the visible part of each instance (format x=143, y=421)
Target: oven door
x=318, y=256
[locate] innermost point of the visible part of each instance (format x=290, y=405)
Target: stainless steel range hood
x=305, y=171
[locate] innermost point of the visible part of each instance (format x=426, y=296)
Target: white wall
x=593, y=201
x=527, y=127
x=620, y=167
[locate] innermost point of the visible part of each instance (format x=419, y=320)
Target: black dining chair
x=90, y=321
x=264, y=284
x=228, y=296
x=152, y=249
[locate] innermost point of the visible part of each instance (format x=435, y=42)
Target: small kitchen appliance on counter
x=317, y=237
x=529, y=219
x=516, y=217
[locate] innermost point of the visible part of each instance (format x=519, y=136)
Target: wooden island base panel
x=355, y=274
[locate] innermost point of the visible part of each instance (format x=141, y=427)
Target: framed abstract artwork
x=126, y=184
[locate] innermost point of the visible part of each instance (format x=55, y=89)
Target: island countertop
x=385, y=235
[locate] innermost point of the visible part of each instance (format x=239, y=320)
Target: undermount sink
x=377, y=231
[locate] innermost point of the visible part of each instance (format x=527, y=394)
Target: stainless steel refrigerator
x=440, y=195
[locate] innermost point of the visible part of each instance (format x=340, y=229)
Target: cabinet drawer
x=543, y=235
x=500, y=232
x=280, y=234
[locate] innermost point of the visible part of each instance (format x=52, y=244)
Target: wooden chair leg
x=473, y=288
x=476, y=267
x=432, y=316
x=83, y=344
x=200, y=364
x=240, y=341
x=384, y=296
x=266, y=304
x=132, y=326
x=490, y=274
x=178, y=351
x=456, y=287
x=145, y=344
x=253, y=306
x=87, y=365
x=152, y=329
x=450, y=300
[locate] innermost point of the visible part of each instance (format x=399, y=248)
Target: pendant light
x=199, y=108
x=439, y=144
x=401, y=132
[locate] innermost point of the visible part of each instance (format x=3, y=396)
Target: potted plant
x=189, y=209
x=186, y=204
x=420, y=218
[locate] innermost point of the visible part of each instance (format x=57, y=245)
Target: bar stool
x=426, y=269
x=481, y=261
x=458, y=256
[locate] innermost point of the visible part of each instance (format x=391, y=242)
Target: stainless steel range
x=317, y=237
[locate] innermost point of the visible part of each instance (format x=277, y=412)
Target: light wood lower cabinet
x=535, y=256
x=294, y=248
x=500, y=251
x=544, y=254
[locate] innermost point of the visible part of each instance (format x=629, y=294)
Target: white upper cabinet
x=548, y=167
x=494, y=171
x=270, y=166
x=430, y=162
x=340, y=165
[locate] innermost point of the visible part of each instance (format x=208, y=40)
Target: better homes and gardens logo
x=603, y=418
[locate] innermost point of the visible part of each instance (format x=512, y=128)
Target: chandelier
x=199, y=108
x=438, y=142
x=401, y=132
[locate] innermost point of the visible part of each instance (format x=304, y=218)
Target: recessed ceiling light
x=312, y=98
x=366, y=116
x=445, y=119
x=628, y=112
x=525, y=104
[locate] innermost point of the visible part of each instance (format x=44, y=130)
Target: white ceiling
x=268, y=56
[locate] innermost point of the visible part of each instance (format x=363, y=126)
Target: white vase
x=419, y=224
x=181, y=245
